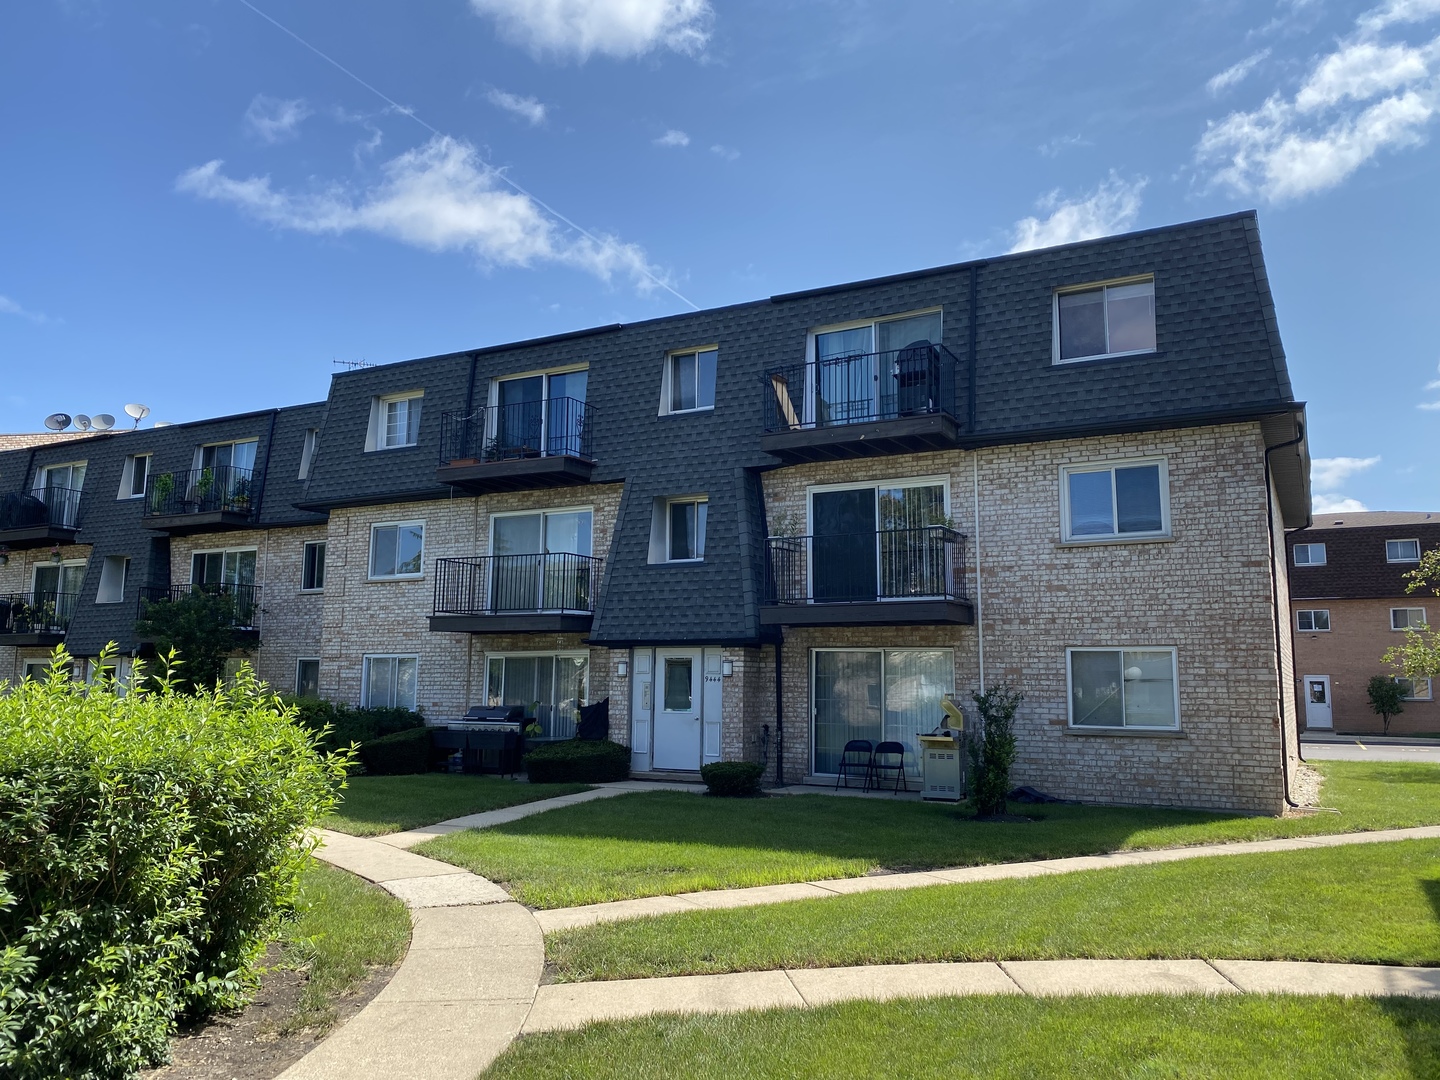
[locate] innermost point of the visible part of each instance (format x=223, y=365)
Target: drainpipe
x=1275, y=603
x=979, y=588
x=779, y=719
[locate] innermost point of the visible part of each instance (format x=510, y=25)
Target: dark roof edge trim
x=679, y=642
x=486, y=350
x=1157, y=423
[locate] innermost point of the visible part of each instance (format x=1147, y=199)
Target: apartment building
x=766, y=529
x=1350, y=605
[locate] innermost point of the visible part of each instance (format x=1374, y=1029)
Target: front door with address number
x=678, y=703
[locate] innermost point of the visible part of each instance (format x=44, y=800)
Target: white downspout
x=979, y=588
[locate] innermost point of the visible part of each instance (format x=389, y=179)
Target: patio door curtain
x=877, y=694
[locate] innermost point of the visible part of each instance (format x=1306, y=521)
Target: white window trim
x=1429, y=694
x=808, y=410
x=1311, y=612
x=365, y=661
x=316, y=660
x=198, y=462
x=220, y=551
x=668, y=538
x=307, y=452
x=375, y=433
x=667, y=375
x=124, y=580
x=370, y=552
x=1070, y=686
x=1406, y=540
x=1324, y=557
x=1166, y=525
x=1402, y=629
x=127, y=476
x=304, y=550
x=1138, y=279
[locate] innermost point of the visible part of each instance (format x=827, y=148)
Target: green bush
x=149, y=844
x=732, y=779
x=397, y=754
x=992, y=748
x=348, y=725
x=578, y=761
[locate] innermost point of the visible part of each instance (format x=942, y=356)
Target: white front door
x=678, y=701
x=1317, y=702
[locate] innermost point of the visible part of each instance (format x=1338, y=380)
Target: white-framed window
x=307, y=452
x=552, y=686
x=232, y=460
x=397, y=550
x=120, y=670
x=395, y=421
x=39, y=669
x=541, y=560
x=882, y=695
x=59, y=488
x=133, y=476
x=114, y=572
x=390, y=682
x=307, y=677
x=685, y=529
x=1123, y=500
x=876, y=540
x=1414, y=689
x=689, y=380
x=1312, y=620
x=541, y=414
x=312, y=567
x=55, y=593
x=1123, y=688
x=870, y=369
x=1407, y=618
x=1402, y=551
x=1309, y=555
x=1113, y=319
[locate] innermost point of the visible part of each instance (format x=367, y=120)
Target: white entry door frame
x=1318, y=715
x=676, y=696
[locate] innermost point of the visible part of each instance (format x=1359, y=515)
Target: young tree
x=1387, y=698
x=1419, y=656
x=992, y=748
x=200, y=627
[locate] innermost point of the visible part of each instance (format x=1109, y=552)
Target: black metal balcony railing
x=516, y=584
x=36, y=612
x=202, y=491
x=852, y=568
x=864, y=388
x=555, y=427
x=245, y=600
x=45, y=506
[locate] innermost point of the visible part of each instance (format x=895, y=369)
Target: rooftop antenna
x=137, y=412
x=57, y=421
x=352, y=364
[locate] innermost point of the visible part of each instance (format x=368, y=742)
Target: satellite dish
x=163, y=423
x=102, y=421
x=82, y=422
x=58, y=421
x=137, y=412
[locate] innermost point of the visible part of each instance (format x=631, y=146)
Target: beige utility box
x=943, y=767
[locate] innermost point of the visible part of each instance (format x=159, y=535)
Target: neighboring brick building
x=1349, y=605
x=765, y=529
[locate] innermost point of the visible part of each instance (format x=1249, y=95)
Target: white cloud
x=1398, y=11
x=1235, y=73
x=1054, y=147
x=528, y=109
x=618, y=28
x=1110, y=208
x=10, y=307
x=439, y=197
x=729, y=153
x=272, y=120
x=673, y=138
x=1429, y=406
x=1327, y=474
x=1336, y=504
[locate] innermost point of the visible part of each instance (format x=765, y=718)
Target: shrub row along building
x=761, y=530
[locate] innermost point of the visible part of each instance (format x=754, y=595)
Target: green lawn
x=374, y=805
x=655, y=843
x=343, y=927
x=1370, y=903
x=1133, y=1038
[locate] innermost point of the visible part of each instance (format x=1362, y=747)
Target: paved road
x=1363, y=751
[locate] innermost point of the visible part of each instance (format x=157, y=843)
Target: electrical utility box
x=941, y=756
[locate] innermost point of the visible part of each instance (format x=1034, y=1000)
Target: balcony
x=898, y=577
x=40, y=518
x=506, y=594
x=36, y=618
x=240, y=608
x=521, y=446
x=866, y=405
x=201, y=500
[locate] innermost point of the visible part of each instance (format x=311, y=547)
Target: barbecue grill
x=491, y=739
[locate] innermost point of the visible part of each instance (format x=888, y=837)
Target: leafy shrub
x=349, y=725
x=992, y=748
x=200, y=625
x=583, y=761
x=732, y=779
x=149, y=843
x=397, y=754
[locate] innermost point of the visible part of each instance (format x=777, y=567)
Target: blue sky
x=200, y=212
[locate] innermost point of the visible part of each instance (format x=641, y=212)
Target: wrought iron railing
x=202, y=491
x=516, y=584
x=244, y=605
x=43, y=506
x=862, y=388
x=848, y=568
x=555, y=427
x=36, y=612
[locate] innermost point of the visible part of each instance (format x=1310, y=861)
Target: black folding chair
x=889, y=757
x=855, y=759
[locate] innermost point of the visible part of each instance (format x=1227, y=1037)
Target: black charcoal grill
x=490, y=739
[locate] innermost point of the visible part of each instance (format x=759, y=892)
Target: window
x=690, y=381
x=396, y=550
x=1108, y=320
x=228, y=572
x=541, y=415
x=876, y=370
x=1309, y=554
x=1123, y=688
x=395, y=421
x=1414, y=689
x=685, y=530
x=39, y=670
x=876, y=694
x=113, y=574
x=307, y=677
x=307, y=452
x=1317, y=619
x=390, y=682
x=56, y=592
x=228, y=456
x=58, y=487
x=133, y=476
x=542, y=561
x=1104, y=502
x=1407, y=618
x=551, y=686
x=869, y=542
x=312, y=571
x=1402, y=551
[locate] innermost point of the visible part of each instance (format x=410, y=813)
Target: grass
x=658, y=843
x=1371, y=903
x=343, y=927
x=1135, y=1038
x=375, y=805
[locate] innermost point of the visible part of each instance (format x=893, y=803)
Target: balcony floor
x=202, y=522
x=514, y=623
x=46, y=639
x=870, y=613
x=835, y=442
x=515, y=474
x=34, y=536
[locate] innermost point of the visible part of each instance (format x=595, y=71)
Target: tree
x=992, y=748
x=200, y=626
x=1386, y=697
x=1419, y=656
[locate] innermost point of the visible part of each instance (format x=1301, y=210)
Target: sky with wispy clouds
x=205, y=203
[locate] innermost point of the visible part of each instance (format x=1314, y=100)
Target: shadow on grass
x=1418, y=1022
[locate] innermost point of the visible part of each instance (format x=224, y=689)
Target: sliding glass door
x=541, y=561
x=876, y=694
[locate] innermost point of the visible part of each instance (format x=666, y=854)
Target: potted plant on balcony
x=204, y=484
x=55, y=554
x=240, y=495
x=161, y=491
